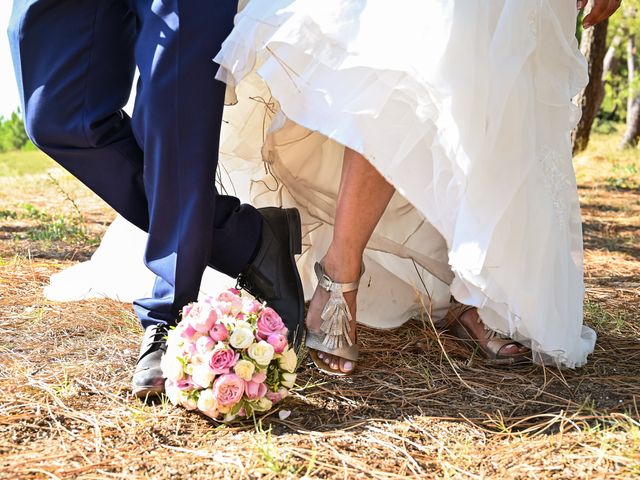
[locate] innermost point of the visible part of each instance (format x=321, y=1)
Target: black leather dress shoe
x=148, y=381
x=273, y=275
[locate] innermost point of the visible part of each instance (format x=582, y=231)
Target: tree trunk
x=632, y=133
x=610, y=64
x=594, y=47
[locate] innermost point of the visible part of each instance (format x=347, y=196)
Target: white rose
x=212, y=414
x=288, y=380
x=264, y=404
x=244, y=369
x=172, y=368
x=242, y=324
x=288, y=360
x=202, y=375
x=186, y=400
x=207, y=401
x=241, y=338
x=174, y=340
x=198, y=359
x=205, y=344
x=262, y=352
x=173, y=393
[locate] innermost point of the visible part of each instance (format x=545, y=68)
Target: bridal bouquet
x=228, y=357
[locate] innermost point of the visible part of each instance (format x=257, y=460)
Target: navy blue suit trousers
x=75, y=62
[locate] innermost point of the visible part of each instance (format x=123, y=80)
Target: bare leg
x=362, y=199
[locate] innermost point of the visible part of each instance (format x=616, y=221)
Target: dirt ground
x=410, y=411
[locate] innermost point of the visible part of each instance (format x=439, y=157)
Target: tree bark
x=594, y=47
x=632, y=133
x=610, y=64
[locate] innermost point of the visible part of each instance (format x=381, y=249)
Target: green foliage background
x=12, y=134
x=625, y=24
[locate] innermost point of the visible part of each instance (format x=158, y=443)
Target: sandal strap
x=315, y=341
x=336, y=317
x=327, y=283
x=455, y=313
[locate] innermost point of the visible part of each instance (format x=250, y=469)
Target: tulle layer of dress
x=464, y=106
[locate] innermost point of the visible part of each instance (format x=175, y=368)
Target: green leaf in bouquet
x=273, y=374
x=237, y=407
x=182, y=361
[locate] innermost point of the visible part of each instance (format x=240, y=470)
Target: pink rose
x=278, y=396
x=228, y=389
x=202, y=318
x=192, y=311
x=205, y=344
x=231, y=303
x=259, y=377
x=275, y=397
x=186, y=309
x=251, y=306
x=185, y=384
x=219, y=332
x=187, y=331
x=222, y=361
x=270, y=322
x=190, y=349
x=278, y=342
x=255, y=390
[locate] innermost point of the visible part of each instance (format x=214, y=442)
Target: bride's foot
x=465, y=323
x=334, y=355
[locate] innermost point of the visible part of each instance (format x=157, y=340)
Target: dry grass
x=409, y=412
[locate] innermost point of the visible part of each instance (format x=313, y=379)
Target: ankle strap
x=326, y=282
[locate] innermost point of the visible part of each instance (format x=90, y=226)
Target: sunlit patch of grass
x=54, y=228
x=21, y=163
x=625, y=177
x=603, y=161
x=603, y=319
x=273, y=458
x=8, y=214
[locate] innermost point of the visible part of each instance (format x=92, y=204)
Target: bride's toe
x=510, y=349
x=346, y=366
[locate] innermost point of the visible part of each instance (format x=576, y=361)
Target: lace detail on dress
x=533, y=21
x=557, y=183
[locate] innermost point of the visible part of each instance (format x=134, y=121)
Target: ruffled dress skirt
x=465, y=107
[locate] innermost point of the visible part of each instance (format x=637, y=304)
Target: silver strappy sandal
x=333, y=337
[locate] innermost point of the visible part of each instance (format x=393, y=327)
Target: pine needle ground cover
x=418, y=407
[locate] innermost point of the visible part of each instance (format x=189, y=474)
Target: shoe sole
x=147, y=392
x=295, y=248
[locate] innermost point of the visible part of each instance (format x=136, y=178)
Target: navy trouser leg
x=177, y=119
x=74, y=61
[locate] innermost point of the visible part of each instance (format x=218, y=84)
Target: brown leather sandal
x=489, y=346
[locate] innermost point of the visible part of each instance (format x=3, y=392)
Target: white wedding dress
x=463, y=105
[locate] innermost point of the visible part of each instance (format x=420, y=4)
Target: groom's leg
x=74, y=62
x=74, y=65
x=177, y=120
